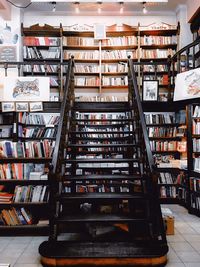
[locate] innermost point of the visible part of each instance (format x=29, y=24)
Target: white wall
x=31, y=18
x=185, y=34
x=192, y=6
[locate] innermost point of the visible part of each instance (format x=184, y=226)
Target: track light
x=121, y=11
x=54, y=6
x=144, y=9
x=77, y=7
x=99, y=7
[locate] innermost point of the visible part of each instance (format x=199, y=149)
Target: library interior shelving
x=83, y=161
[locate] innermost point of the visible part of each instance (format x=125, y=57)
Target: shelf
x=163, y=124
x=86, y=74
x=166, y=152
x=32, y=60
x=36, y=138
x=163, y=46
x=114, y=86
x=83, y=87
x=78, y=47
x=77, y=60
x=165, y=138
x=157, y=59
x=40, y=73
x=23, y=182
x=159, y=32
x=25, y=160
x=23, y=204
x=119, y=47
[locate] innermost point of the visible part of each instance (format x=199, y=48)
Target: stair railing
x=62, y=136
x=148, y=167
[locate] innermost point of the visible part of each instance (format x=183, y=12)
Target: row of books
x=35, y=41
x=158, y=40
x=5, y=132
x=156, y=53
x=118, y=54
x=153, y=68
x=115, y=81
x=195, y=184
x=31, y=193
x=168, y=192
x=98, y=189
x=23, y=171
x=162, y=118
x=103, y=135
x=35, y=53
x=87, y=81
x=102, y=116
x=93, y=171
x=162, y=131
x=166, y=178
x=86, y=68
x=86, y=130
x=37, y=132
x=79, y=41
x=163, y=145
x=102, y=165
x=163, y=80
x=196, y=113
x=41, y=68
x=41, y=119
x=119, y=67
x=120, y=41
x=16, y=216
x=81, y=55
x=196, y=145
x=108, y=98
x=31, y=149
x=197, y=164
x=195, y=127
x=195, y=201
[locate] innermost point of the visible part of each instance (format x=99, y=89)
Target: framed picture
x=26, y=89
x=8, y=106
x=99, y=31
x=187, y=85
x=21, y=106
x=150, y=90
x=36, y=106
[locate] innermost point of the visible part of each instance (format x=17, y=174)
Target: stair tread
x=99, y=218
x=100, y=132
x=70, y=196
x=104, y=177
x=102, y=145
x=101, y=160
x=75, y=249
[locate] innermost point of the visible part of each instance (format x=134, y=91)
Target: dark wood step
x=101, y=106
x=100, y=132
x=100, y=160
x=101, y=145
x=108, y=125
x=99, y=218
x=103, y=138
x=104, y=177
x=104, y=250
x=101, y=196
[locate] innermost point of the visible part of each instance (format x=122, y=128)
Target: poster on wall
x=26, y=89
x=187, y=85
x=8, y=53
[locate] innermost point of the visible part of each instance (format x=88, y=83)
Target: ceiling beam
x=5, y=10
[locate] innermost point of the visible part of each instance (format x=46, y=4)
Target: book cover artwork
x=27, y=89
x=187, y=85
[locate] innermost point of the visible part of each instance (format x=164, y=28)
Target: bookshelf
x=42, y=48
x=166, y=131
x=25, y=159
x=193, y=136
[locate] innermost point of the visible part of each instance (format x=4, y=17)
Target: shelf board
x=114, y=86
x=166, y=152
x=41, y=73
x=157, y=46
x=163, y=124
x=157, y=59
x=53, y=60
x=36, y=138
x=41, y=46
x=25, y=160
x=23, y=182
x=119, y=47
x=86, y=86
x=157, y=32
x=86, y=73
x=23, y=204
x=165, y=138
x=78, y=60
x=79, y=47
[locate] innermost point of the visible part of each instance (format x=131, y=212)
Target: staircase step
x=102, y=145
x=91, y=107
x=98, y=218
x=110, y=125
x=100, y=132
x=103, y=138
x=101, y=196
x=104, y=177
x=104, y=121
x=74, y=253
x=100, y=160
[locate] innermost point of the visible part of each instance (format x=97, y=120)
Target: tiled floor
x=184, y=246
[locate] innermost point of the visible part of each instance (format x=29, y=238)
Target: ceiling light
x=121, y=11
x=144, y=9
x=99, y=7
x=54, y=6
x=77, y=7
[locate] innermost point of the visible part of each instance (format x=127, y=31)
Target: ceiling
x=108, y=8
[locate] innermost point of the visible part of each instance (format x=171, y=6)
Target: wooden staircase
x=104, y=200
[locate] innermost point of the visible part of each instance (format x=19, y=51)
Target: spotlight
x=54, y=6
x=121, y=11
x=144, y=9
x=77, y=7
x=99, y=7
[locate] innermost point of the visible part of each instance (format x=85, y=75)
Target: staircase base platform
x=63, y=253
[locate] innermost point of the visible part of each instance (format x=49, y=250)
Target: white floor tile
x=181, y=246
x=187, y=256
